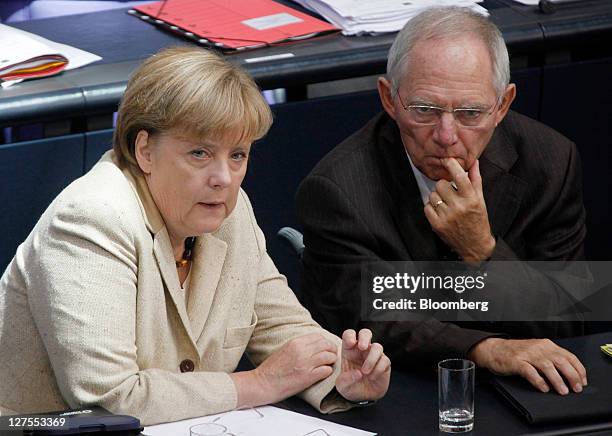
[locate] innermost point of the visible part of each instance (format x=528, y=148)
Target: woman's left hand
x=365, y=371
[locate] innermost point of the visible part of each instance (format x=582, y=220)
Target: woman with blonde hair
x=146, y=280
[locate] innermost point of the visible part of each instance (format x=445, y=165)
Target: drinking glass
x=208, y=429
x=456, y=395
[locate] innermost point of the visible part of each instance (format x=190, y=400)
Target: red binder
x=233, y=24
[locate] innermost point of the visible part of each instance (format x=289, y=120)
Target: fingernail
x=584, y=382
x=564, y=390
x=544, y=388
x=578, y=387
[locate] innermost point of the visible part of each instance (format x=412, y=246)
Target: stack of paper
x=260, y=421
x=25, y=55
x=358, y=17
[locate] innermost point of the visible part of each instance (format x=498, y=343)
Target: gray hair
x=445, y=22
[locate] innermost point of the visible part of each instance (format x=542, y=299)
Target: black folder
x=92, y=421
x=594, y=403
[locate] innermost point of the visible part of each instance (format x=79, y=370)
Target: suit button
x=187, y=366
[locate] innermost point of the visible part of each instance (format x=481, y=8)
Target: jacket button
x=187, y=366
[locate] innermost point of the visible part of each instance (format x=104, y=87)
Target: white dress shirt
x=426, y=185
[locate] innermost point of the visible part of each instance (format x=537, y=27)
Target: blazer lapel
x=209, y=257
x=162, y=249
x=407, y=205
x=503, y=192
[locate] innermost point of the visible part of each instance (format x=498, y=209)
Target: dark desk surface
x=124, y=41
x=411, y=408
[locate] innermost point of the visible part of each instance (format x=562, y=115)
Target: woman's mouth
x=214, y=205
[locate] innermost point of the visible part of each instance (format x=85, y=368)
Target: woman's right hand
x=299, y=364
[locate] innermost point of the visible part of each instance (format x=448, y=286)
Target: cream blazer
x=91, y=310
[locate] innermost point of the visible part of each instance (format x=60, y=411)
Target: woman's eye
x=238, y=156
x=200, y=154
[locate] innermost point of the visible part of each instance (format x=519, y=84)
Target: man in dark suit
x=447, y=172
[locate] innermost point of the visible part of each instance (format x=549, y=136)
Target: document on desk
x=260, y=421
x=24, y=55
x=358, y=17
x=233, y=25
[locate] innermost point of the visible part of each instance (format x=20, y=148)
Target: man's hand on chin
x=458, y=214
x=540, y=361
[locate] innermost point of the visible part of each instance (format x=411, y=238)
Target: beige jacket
x=91, y=311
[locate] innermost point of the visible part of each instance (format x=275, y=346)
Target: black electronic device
x=91, y=421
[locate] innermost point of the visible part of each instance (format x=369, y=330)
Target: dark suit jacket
x=362, y=203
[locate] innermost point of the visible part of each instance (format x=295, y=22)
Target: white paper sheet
x=357, y=17
x=261, y=421
x=17, y=45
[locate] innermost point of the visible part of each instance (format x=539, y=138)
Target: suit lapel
x=209, y=257
x=407, y=205
x=503, y=192
x=162, y=249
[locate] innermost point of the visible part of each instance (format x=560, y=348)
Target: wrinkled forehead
x=462, y=62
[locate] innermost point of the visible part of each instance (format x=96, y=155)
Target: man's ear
x=386, y=96
x=507, y=99
x=142, y=150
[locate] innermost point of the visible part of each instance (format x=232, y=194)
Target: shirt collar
x=426, y=185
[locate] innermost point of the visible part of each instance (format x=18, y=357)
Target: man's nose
x=445, y=132
x=220, y=176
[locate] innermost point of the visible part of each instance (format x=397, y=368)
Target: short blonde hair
x=193, y=91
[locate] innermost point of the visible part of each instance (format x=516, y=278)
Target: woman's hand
x=366, y=370
x=299, y=364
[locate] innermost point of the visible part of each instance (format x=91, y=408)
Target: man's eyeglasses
x=428, y=115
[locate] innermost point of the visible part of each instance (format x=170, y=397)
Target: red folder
x=233, y=24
